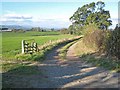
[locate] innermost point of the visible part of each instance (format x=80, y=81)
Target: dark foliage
x=64, y=31
x=113, y=43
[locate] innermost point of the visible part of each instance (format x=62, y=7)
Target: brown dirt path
x=72, y=73
x=95, y=77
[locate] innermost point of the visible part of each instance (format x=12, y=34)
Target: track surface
x=70, y=73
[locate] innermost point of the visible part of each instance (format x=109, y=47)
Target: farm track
x=70, y=73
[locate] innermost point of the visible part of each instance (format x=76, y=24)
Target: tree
x=100, y=5
x=92, y=13
x=52, y=29
x=71, y=29
x=37, y=29
x=64, y=31
x=80, y=16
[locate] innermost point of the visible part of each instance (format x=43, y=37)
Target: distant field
x=11, y=41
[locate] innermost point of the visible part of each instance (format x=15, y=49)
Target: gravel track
x=72, y=73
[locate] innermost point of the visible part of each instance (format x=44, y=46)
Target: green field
x=11, y=41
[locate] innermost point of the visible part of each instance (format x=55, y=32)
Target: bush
x=113, y=43
x=103, y=40
x=64, y=31
x=95, y=38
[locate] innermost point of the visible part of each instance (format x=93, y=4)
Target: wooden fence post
x=23, y=49
x=29, y=47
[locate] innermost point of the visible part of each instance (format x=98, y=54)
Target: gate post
x=23, y=49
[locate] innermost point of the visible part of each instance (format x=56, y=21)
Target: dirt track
x=71, y=73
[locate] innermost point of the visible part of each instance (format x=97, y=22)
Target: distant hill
x=16, y=27
x=25, y=27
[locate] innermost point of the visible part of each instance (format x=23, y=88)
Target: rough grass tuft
x=63, y=50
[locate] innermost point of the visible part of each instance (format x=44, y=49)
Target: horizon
x=47, y=14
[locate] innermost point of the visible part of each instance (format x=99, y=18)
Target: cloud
x=12, y=18
x=15, y=17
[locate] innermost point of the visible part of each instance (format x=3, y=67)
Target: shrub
x=113, y=43
x=64, y=31
x=95, y=38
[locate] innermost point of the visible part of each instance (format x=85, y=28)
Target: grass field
x=11, y=41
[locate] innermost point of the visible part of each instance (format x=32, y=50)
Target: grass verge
x=91, y=56
x=19, y=68
x=63, y=50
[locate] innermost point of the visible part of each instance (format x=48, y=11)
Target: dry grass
x=92, y=56
x=81, y=49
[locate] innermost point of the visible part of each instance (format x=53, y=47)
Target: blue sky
x=47, y=14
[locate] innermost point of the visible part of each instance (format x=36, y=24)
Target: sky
x=49, y=14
